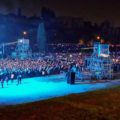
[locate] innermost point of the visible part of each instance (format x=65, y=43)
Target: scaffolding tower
x=99, y=63
x=23, y=50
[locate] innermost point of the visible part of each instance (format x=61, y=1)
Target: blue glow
x=40, y=88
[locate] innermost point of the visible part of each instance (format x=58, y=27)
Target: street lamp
x=24, y=33
x=102, y=41
x=98, y=37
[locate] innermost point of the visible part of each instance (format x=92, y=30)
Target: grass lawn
x=97, y=105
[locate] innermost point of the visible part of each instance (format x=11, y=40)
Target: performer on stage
x=20, y=78
x=12, y=77
x=2, y=82
x=7, y=79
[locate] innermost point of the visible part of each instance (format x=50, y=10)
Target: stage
x=40, y=88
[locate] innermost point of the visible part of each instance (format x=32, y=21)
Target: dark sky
x=93, y=10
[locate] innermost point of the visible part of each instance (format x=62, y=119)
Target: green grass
x=97, y=105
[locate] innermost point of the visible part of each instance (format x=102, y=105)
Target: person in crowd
x=68, y=75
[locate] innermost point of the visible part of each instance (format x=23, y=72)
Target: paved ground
x=39, y=88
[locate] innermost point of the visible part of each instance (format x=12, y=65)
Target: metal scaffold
x=99, y=63
x=22, y=50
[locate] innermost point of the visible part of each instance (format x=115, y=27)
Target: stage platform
x=40, y=88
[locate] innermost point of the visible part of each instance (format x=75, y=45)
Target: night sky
x=91, y=10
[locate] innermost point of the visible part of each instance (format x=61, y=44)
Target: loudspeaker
x=72, y=77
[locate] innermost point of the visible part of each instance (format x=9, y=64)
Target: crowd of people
x=54, y=63
x=43, y=65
